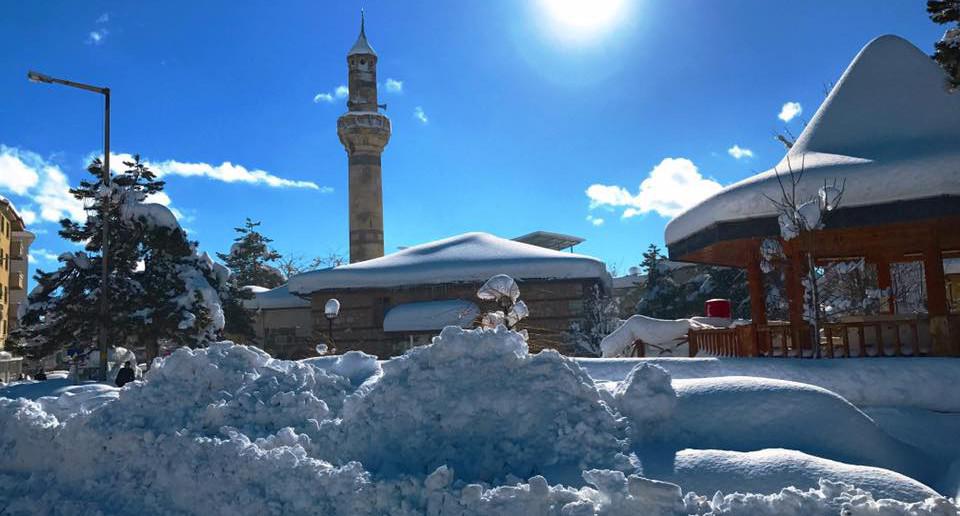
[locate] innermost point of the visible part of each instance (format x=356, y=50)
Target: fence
x=904, y=337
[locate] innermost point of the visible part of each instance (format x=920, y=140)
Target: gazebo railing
x=904, y=337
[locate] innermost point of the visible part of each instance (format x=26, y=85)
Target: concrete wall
x=554, y=305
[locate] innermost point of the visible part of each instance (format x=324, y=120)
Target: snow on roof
x=256, y=289
x=279, y=297
x=13, y=209
x=431, y=315
x=470, y=257
x=889, y=128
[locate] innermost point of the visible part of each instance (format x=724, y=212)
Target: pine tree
x=161, y=290
x=948, y=48
x=660, y=292
x=249, y=258
x=64, y=309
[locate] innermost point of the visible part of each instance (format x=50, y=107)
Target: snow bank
x=865, y=382
x=479, y=403
x=472, y=424
x=755, y=413
x=767, y=471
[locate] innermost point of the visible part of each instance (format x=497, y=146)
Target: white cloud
x=226, y=172
x=420, y=115
x=739, y=152
x=42, y=254
x=673, y=185
x=27, y=174
x=15, y=175
x=339, y=92
x=394, y=86
x=789, y=111
x=596, y=221
x=95, y=37
x=230, y=173
x=29, y=216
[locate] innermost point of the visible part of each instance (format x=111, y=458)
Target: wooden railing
x=867, y=338
x=723, y=342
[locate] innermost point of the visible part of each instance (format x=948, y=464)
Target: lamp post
x=331, y=310
x=105, y=216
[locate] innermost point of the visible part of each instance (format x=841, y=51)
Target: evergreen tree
x=659, y=297
x=161, y=290
x=64, y=309
x=249, y=258
x=948, y=48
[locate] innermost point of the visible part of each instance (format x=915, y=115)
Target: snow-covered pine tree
x=64, y=308
x=948, y=48
x=249, y=258
x=601, y=317
x=161, y=289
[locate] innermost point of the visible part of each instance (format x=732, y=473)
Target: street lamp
x=105, y=216
x=332, y=311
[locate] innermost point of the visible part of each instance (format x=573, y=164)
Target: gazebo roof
x=888, y=129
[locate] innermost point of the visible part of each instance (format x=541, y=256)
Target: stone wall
x=554, y=305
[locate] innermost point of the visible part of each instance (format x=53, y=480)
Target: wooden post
x=937, y=299
x=884, y=282
x=793, y=274
x=758, y=304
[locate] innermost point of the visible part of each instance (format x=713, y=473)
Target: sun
x=583, y=16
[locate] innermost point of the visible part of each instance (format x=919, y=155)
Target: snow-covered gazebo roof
x=890, y=128
x=470, y=257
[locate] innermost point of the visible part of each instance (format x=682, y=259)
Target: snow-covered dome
x=889, y=128
x=470, y=257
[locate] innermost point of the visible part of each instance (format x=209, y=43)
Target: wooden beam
x=937, y=307
x=794, y=271
x=886, y=283
x=758, y=303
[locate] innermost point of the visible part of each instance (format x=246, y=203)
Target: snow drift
x=472, y=424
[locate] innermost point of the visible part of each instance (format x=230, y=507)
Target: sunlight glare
x=583, y=15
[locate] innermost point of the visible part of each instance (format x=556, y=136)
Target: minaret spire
x=364, y=132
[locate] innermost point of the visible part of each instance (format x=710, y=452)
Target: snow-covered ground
x=474, y=424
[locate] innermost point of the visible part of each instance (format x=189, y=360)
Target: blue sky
x=507, y=114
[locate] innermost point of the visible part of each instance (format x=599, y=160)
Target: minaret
x=364, y=132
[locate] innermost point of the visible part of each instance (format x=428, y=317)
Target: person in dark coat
x=40, y=376
x=125, y=375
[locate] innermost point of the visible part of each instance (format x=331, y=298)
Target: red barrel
x=718, y=308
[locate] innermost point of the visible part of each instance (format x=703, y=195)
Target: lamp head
x=38, y=77
x=332, y=309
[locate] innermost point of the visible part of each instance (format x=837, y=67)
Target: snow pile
x=765, y=409
x=471, y=424
x=647, y=398
x=478, y=402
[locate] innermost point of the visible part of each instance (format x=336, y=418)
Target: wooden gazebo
x=890, y=130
